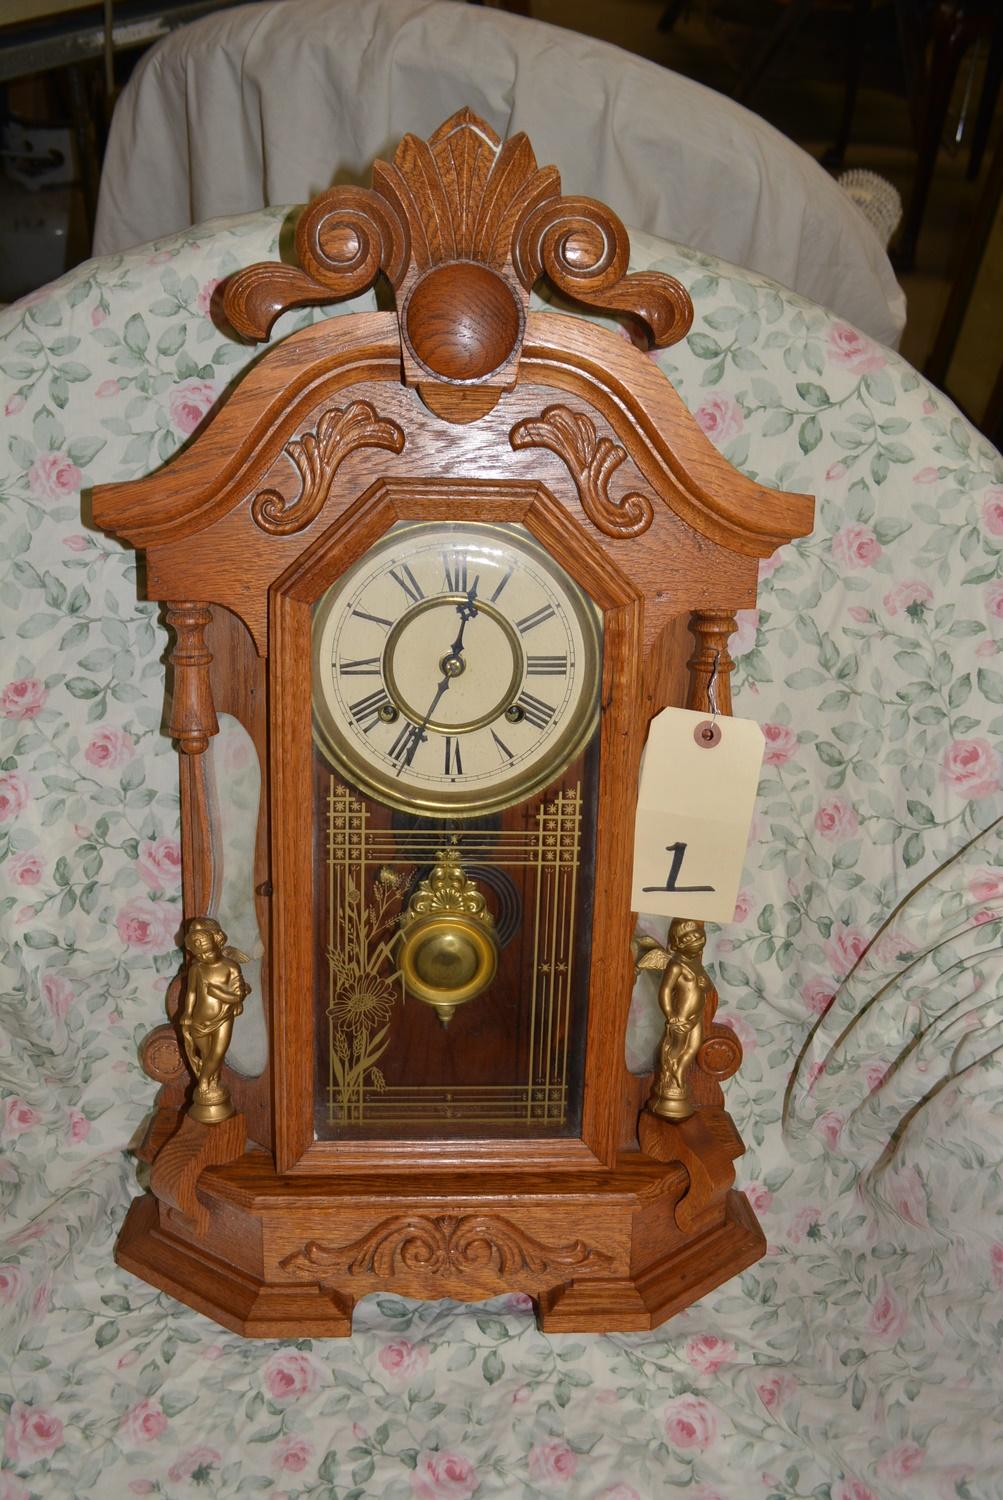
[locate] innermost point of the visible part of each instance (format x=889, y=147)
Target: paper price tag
x=695, y=802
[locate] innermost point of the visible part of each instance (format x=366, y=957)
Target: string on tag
x=712, y=687
x=708, y=732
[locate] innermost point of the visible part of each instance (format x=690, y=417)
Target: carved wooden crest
x=463, y=226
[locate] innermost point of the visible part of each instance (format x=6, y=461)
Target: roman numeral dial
x=455, y=668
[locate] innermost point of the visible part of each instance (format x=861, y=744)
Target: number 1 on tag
x=694, y=808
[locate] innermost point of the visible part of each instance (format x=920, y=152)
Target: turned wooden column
x=192, y=724
x=711, y=665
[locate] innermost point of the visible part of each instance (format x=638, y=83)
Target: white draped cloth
x=269, y=104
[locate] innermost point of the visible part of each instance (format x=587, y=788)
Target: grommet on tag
x=707, y=734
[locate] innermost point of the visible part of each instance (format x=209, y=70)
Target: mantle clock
x=430, y=574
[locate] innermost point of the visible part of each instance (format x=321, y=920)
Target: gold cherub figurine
x=682, y=995
x=215, y=991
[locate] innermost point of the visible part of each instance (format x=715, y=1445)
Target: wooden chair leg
x=963, y=282
x=992, y=421
x=912, y=51
x=987, y=102
x=951, y=34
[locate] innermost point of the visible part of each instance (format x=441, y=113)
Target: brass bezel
x=506, y=792
x=390, y=680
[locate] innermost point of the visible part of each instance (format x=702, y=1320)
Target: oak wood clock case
x=461, y=408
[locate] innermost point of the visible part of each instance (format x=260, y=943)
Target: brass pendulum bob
x=448, y=951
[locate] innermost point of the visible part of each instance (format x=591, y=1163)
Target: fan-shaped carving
x=462, y=196
x=462, y=191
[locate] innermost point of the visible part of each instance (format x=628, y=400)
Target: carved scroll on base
x=449, y=1243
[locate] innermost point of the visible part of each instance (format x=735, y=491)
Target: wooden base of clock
x=284, y=1257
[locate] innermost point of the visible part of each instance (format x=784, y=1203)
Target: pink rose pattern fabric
x=862, y=973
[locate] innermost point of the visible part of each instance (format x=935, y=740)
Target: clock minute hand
x=419, y=733
x=466, y=612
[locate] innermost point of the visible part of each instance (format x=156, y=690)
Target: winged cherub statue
x=215, y=991
x=682, y=996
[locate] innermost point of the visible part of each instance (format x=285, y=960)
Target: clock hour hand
x=466, y=612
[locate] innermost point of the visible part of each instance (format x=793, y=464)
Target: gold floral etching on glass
x=365, y=980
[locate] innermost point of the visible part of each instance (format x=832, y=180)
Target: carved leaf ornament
x=592, y=461
x=317, y=457
x=450, y=1243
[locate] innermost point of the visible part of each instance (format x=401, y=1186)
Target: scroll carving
x=463, y=196
x=461, y=1244
x=583, y=249
x=344, y=239
x=317, y=457
x=592, y=461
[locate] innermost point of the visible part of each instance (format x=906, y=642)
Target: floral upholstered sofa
x=860, y=1359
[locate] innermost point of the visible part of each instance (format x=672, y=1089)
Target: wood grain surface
x=460, y=406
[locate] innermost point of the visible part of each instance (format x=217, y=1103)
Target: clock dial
x=455, y=668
